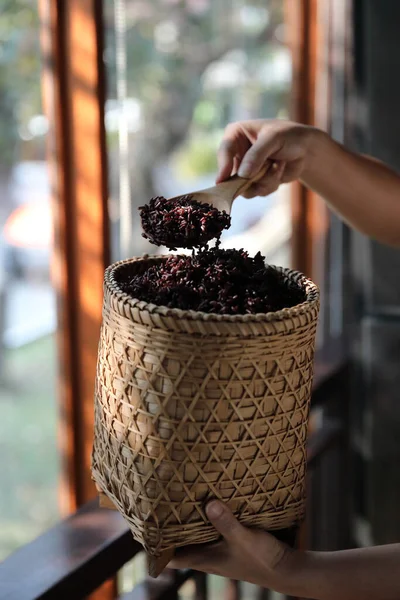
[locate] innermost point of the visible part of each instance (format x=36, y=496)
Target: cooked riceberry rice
x=213, y=281
x=183, y=224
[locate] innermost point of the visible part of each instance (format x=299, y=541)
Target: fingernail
x=245, y=170
x=214, y=509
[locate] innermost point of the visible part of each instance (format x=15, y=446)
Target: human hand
x=244, y=554
x=248, y=145
x=257, y=557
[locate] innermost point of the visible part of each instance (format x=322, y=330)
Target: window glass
x=29, y=466
x=178, y=71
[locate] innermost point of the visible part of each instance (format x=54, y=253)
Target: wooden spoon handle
x=235, y=185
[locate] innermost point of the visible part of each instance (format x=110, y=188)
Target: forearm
x=364, y=192
x=367, y=574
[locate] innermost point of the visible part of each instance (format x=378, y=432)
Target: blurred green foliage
x=28, y=443
x=20, y=69
x=197, y=157
x=193, y=65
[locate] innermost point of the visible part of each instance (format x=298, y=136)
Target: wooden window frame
x=74, y=99
x=320, y=34
x=74, y=85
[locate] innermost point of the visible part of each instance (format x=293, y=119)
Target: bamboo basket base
x=156, y=564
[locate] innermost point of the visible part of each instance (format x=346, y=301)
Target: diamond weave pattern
x=181, y=418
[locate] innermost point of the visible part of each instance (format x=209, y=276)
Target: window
x=234, y=65
x=177, y=73
x=28, y=357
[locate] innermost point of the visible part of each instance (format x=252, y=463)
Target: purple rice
x=183, y=224
x=213, y=281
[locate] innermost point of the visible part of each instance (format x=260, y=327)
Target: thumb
x=223, y=520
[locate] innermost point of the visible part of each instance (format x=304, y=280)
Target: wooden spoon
x=223, y=194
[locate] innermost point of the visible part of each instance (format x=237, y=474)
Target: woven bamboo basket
x=192, y=406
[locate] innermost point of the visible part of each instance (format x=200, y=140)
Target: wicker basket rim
x=311, y=302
